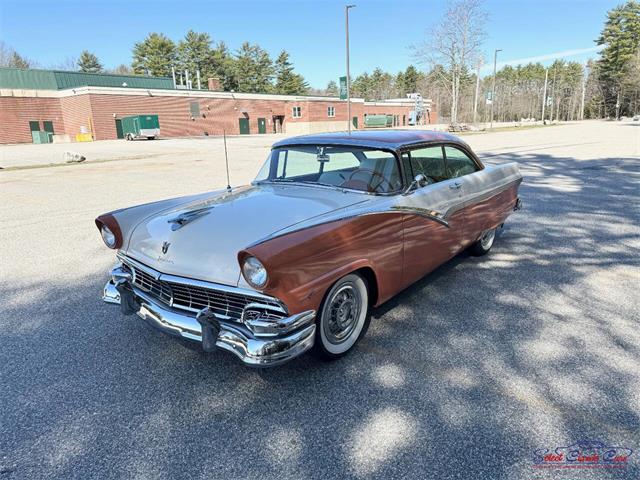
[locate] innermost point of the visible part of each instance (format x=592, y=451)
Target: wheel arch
x=371, y=279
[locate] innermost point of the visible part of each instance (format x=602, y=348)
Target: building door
x=355, y=122
x=34, y=126
x=119, y=131
x=244, y=126
x=404, y=120
x=48, y=126
x=262, y=125
x=278, y=121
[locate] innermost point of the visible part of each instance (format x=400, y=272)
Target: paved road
x=461, y=376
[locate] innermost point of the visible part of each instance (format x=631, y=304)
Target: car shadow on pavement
x=462, y=375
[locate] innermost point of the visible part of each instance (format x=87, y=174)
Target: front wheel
x=484, y=243
x=343, y=318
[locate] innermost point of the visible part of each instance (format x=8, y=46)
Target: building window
x=296, y=112
x=331, y=112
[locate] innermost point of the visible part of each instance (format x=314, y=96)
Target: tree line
x=451, y=54
x=249, y=69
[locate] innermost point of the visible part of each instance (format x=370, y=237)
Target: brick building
x=69, y=103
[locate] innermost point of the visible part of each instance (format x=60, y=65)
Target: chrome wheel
x=344, y=310
x=486, y=241
x=343, y=316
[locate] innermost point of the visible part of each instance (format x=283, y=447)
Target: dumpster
x=141, y=126
x=378, y=121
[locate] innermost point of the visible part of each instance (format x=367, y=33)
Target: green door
x=244, y=126
x=48, y=126
x=355, y=122
x=262, y=125
x=34, y=126
x=119, y=132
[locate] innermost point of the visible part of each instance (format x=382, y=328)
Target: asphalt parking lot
x=463, y=375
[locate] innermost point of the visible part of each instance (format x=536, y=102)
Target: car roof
x=386, y=139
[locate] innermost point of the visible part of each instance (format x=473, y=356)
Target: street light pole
x=493, y=87
x=475, y=98
x=346, y=17
x=544, y=93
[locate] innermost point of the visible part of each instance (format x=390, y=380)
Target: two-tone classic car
x=333, y=225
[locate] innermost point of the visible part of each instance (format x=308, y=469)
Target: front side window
x=296, y=112
x=458, y=162
x=331, y=112
x=366, y=170
x=429, y=161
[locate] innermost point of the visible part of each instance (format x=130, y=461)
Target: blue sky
x=312, y=31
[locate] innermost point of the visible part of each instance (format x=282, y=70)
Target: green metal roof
x=61, y=80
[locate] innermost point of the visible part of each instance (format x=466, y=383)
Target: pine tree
x=411, y=77
x=621, y=40
x=223, y=66
x=253, y=69
x=287, y=81
x=155, y=55
x=194, y=53
x=17, y=61
x=89, y=63
x=332, y=89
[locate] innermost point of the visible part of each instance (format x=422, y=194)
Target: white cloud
x=544, y=58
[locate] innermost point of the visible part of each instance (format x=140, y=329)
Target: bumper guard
x=258, y=343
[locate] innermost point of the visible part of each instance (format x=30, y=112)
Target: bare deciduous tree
x=455, y=43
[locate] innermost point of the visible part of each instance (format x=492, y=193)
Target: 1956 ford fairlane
x=333, y=225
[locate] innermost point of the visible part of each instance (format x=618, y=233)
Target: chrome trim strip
x=200, y=283
x=422, y=212
x=252, y=350
x=440, y=217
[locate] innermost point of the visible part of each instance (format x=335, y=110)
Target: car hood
x=214, y=229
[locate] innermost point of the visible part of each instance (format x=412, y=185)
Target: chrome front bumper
x=273, y=344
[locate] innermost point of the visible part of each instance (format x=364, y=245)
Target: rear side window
x=458, y=162
x=430, y=162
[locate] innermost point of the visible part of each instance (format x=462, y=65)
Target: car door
x=465, y=173
x=434, y=222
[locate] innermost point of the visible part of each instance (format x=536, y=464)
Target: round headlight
x=108, y=237
x=254, y=272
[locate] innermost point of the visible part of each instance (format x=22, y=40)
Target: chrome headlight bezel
x=254, y=272
x=108, y=237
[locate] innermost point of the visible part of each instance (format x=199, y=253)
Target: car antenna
x=226, y=159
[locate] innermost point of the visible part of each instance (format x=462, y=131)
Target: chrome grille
x=194, y=298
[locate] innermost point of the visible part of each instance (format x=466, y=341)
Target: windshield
x=363, y=169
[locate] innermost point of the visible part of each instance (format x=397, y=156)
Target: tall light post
x=544, y=93
x=493, y=87
x=346, y=18
x=475, y=98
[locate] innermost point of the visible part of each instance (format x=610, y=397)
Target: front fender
x=303, y=264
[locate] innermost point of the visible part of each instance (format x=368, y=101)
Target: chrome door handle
x=455, y=185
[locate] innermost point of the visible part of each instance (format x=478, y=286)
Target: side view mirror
x=418, y=181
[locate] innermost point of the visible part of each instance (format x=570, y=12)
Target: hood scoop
x=187, y=217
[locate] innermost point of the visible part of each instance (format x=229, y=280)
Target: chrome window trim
x=392, y=151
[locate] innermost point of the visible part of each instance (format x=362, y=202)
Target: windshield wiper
x=307, y=182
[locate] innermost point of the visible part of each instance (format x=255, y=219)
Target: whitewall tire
x=343, y=317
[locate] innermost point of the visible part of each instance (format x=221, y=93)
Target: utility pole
x=475, y=101
x=346, y=18
x=493, y=87
x=544, y=94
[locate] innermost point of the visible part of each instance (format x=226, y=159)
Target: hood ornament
x=165, y=247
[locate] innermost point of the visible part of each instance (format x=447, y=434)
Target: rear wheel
x=484, y=243
x=343, y=318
